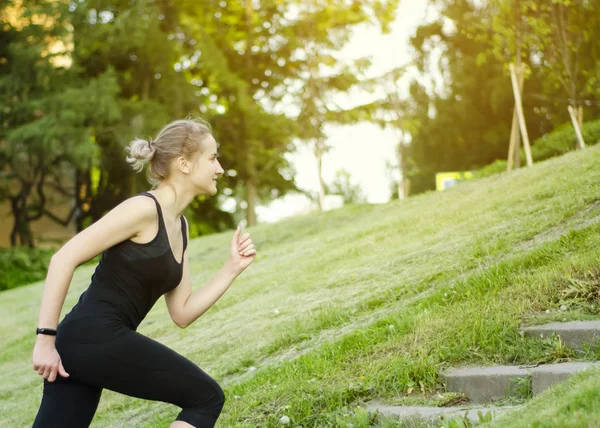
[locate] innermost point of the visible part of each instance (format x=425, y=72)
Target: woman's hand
x=242, y=252
x=46, y=360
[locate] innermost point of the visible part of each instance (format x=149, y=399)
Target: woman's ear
x=184, y=165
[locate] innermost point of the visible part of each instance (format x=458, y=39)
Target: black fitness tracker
x=48, y=331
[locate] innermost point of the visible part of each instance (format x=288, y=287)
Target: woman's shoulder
x=141, y=204
x=125, y=221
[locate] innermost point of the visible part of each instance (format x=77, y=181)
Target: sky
x=361, y=149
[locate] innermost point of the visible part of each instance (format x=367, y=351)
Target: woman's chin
x=207, y=191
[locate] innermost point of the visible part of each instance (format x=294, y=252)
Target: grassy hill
x=370, y=301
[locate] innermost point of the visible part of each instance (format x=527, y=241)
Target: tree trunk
x=251, y=192
x=83, y=197
x=319, y=155
x=21, y=228
x=401, y=154
x=251, y=182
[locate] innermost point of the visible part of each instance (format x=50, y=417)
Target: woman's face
x=205, y=168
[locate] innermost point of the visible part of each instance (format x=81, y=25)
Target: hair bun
x=140, y=152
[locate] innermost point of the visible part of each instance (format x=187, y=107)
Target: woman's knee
x=219, y=396
x=208, y=394
x=206, y=405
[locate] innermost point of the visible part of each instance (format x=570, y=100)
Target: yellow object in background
x=95, y=179
x=445, y=180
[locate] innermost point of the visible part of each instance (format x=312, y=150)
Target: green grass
x=373, y=301
x=573, y=403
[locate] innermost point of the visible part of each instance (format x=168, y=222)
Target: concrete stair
x=575, y=334
x=545, y=376
x=489, y=384
x=434, y=414
x=485, y=384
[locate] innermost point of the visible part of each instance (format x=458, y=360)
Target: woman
x=143, y=242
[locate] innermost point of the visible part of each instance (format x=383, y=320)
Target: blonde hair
x=178, y=138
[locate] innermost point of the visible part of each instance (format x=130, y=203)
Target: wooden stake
x=580, y=142
x=515, y=141
x=511, y=145
x=521, y=116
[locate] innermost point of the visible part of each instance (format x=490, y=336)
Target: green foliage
x=496, y=167
x=556, y=143
x=342, y=185
x=563, y=140
x=466, y=124
x=22, y=266
x=48, y=113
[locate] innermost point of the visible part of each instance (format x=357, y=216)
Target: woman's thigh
x=138, y=366
x=67, y=403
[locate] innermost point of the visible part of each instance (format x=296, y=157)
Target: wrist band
x=47, y=331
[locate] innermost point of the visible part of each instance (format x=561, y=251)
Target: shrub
x=556, y=143
x=563, y=140
x=20, y=266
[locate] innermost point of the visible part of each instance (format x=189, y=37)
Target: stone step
x=573, y=333
x=434, y=414
x=486, y=384
x=544, y=376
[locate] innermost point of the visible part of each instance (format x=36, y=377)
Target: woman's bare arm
x=186, y=306
x=123, y=222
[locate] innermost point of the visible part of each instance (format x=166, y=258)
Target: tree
x=141, y=41
x=326, y=28
x=342, y=185
x=550, y=37
x=242, y=62
x=46, y=114
x=465, y=123
x=566, y=34
x=393, y=112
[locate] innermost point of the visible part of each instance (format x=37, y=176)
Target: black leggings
x=128, y=363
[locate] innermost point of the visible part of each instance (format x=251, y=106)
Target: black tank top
x=131, y=277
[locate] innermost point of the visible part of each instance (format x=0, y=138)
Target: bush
x=494, y=168
x=563, y=140
x=21, y=266
x=556, y=143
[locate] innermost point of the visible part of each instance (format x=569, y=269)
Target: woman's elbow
x=180, y=322
x=62, y=258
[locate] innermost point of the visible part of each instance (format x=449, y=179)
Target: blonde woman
x=143, y=243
